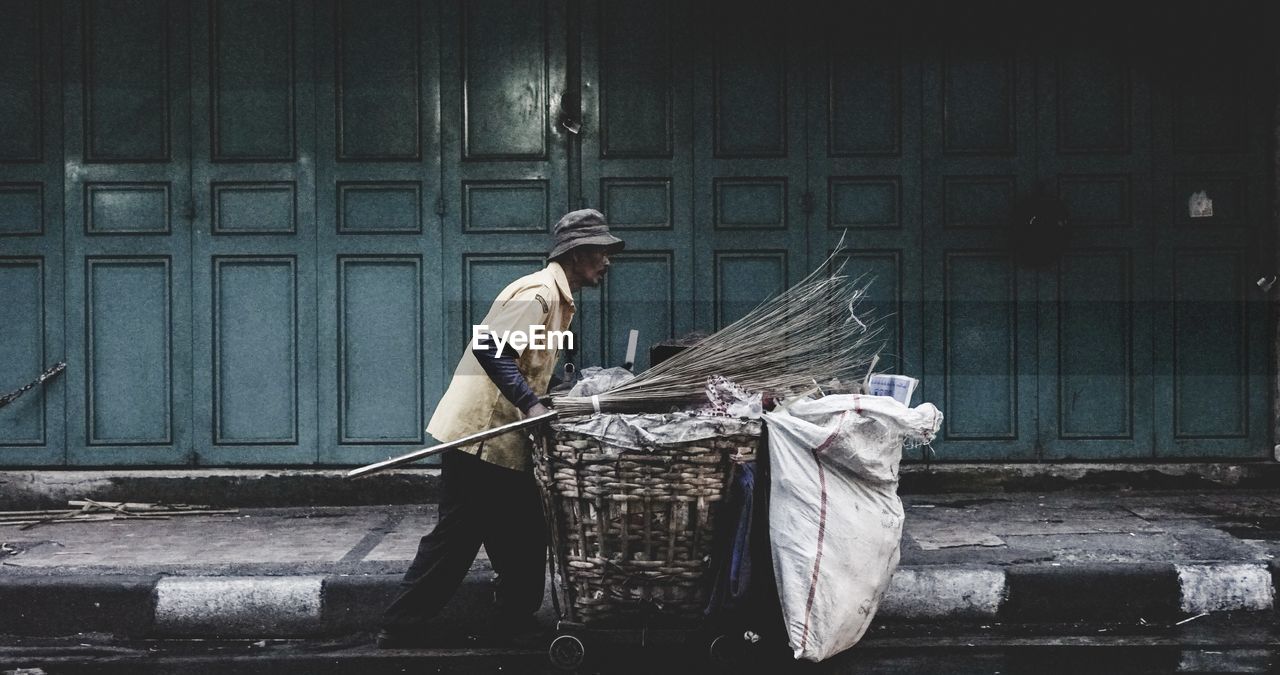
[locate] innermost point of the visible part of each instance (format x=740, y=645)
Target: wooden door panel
x=25, y=420
x=981, y=328
x=1093, y=376
x=379, y=350
x=252, y=65
x=887, y=303
x=127, y=196
x=380, y=316
x=378, y=96
x=504, y=171
x=637, y=168
x=127, y=62
x=640, y=293
x=979, y=159
x=1212, y=99
x=864, y=167
x=253, y=233
x=1096, y=299
x=749, y=160
x=32, y=269
x=129, y=351
x=256, y=387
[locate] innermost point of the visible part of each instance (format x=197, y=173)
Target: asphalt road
x=1009, y=660
x=1214, y=645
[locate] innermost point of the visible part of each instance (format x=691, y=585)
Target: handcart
x=632, y=536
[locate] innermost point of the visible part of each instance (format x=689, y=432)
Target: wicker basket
x=632, y=530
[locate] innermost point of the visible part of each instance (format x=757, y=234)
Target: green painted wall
x=259, y=230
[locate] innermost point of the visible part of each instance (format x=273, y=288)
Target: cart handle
x=445, y=447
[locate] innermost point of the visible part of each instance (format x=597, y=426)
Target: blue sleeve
x=501, y=368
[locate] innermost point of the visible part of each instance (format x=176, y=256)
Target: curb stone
x=41, y=606
x=1226, y=587
x=1092, y=592
x=197, y=606
x=306, y=606
x=931, y=593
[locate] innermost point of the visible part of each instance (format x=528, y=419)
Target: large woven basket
x=632, y=530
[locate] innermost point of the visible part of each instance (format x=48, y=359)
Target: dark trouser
x=480, y=503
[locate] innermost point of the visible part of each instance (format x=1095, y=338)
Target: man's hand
x=537, y=409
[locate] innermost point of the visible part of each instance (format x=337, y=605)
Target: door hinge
x=806, y=203
x=440, y=205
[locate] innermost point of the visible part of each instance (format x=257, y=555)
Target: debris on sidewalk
x=954, y=536
x=1189, y=619
x=88, y=510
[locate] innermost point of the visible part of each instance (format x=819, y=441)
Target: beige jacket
x=472, y=403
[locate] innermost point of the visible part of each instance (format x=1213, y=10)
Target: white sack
x=835, y=520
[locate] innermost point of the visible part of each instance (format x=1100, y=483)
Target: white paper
x=899, y=387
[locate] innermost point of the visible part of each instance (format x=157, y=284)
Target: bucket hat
x=580, y=228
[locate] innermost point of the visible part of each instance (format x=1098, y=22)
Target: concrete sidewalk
x=983, y=558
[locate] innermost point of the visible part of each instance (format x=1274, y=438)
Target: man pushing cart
x=631, y=478
x=488, y=494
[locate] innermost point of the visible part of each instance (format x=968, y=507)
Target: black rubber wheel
x=567, y=652
x=723, y=650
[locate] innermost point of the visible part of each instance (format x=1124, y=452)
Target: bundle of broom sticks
x=814, y=331
x=811, y=333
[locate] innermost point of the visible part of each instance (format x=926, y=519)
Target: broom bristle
x=809, y=333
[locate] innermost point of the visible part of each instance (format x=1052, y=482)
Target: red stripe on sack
x=832, y=438
x=822, y=534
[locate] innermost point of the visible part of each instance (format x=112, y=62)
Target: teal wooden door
x=979, y=155
x=259, y=231
x=749, y=160
x=32, y=337
x=694, y=146
x=127, y=214
x=1143, y=338
x=922, y=143
x=864, y=168
x=1152, y=341
x=504, y=164
x=253, y=234
x=378, y=241
x=1212, y=105
x=1096, y=300
x=637, y=168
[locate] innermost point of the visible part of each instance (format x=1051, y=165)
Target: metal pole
x=445, y=447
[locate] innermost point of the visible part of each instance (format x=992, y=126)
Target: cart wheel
x=723, y=650
x=566, y=652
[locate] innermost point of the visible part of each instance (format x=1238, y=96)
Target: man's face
x=592, y=264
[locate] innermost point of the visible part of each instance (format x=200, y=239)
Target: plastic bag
x=643, y=433
x=835, y=519
x=724, y=397
x=596, y=380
